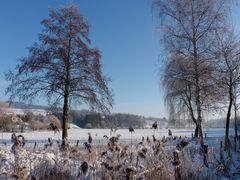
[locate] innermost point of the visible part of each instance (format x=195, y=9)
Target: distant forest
x=87, y=119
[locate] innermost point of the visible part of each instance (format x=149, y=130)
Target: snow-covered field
x=110, y=158
x=97, y=134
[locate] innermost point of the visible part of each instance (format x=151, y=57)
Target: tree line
x=118, y=120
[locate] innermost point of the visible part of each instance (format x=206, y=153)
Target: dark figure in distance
x=89, y=138
x=155, y=126
x=54, y=127
x=131, y=129
x=169, y=132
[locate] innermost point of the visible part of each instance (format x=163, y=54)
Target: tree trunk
x=235, y=119
x=196, y=131
x=228, y=115
x=200, y=130
x=65, y=120
x=66, y=95
x=197, y=77
x=65, y=109
x=199, y=106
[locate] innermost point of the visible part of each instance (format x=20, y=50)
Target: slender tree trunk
x=65, y=119
x=196, y=132
x=200, y=131
x=197, y=78
x=65, y=109
x=235, y=125
x=66, y=97
x=199, y=125
x=228, y=115
x=235, y=117
x=198, y=97
x=198, y=100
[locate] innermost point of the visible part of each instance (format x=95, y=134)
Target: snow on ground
x=214, y=135
x=45, y=158
x=82, y=134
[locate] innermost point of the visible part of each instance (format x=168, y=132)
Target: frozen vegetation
x=200, y=74
x=105, y=154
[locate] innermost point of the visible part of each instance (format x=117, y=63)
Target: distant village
x=18, y=118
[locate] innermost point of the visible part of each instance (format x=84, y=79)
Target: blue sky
x=124, y=31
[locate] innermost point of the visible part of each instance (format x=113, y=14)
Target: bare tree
x=62, y=67
x=178, y=89
x=188, y=30
x=177, y=80
x=236, y=107
x=228, y=66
